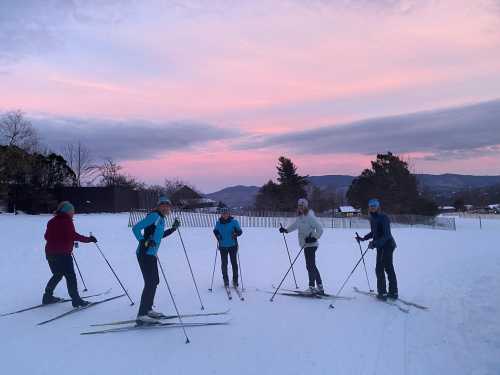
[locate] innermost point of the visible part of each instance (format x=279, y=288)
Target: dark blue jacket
x=380, y=231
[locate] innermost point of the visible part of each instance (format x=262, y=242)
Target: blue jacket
x=226, y=232
x=154, y=229
x=380, y=231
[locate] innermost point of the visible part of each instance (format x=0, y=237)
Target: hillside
x=443, y=186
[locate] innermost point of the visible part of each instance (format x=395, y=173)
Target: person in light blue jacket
x=227, y=230
x=149, y=232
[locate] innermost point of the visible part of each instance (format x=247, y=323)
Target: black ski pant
x=385, y=266
x=312, y=270
x=230, y=252
x=62, y=266
x=149, y=269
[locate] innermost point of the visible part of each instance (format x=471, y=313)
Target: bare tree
x=110, y=175
x=79, y=158
x=16, y=130
x=170, y=186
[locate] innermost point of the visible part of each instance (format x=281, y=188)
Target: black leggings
x=232, y=253
x=149, y=269
x=312, y=270
x=385, y=266
x=62, y=266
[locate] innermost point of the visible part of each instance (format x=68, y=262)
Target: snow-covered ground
x=457, y=274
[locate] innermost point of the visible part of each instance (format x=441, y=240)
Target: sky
x=214, y=91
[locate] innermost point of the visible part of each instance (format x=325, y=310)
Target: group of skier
x=149, y=232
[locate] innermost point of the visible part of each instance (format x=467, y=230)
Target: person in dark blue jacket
x=382, y=240
x=227, y=230
x=149, y=232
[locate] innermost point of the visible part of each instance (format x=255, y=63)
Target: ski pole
x=286, y=274
x=132, y=303
x=173, y=300
x=348, y=277
x=364, y=264
x=79, y=272
x=213, y=272
x=241, y=273
x=191, y=269
x=289, y=258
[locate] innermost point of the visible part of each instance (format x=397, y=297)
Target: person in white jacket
x=310, y=230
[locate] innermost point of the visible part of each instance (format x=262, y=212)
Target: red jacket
x=61, y=235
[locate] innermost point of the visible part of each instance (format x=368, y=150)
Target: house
x=494, y=208
x=187, y=198
x=348, y=211
x=447, y=209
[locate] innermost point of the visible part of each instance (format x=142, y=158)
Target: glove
x=93, y=239
x=149, y=243
x=283, y=230
x=358, y=238
x=176, y=224
x=310, y=239
x=371, y=245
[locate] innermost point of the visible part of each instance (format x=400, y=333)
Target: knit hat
x=303, y=202
x=375, y=203
x=164, y=200
x=65, y=207
x=224, y=210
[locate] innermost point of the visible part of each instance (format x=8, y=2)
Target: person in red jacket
x=61, y=236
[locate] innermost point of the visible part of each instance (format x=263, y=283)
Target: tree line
x=389, y=179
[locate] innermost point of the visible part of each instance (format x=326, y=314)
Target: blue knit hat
x=65, y=207
x=164, y=200
x=375, y=203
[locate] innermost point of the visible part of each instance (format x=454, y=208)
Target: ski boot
x=235, y=285
x=155, y=314
x=382, y=296
x=49, y=299
x=320, y=290
x=79, y=303
x=145, y=320
x=392, y=295
x=310, y=291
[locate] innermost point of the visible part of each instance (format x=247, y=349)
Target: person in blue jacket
x=227, y=230
x=382, y=240
x=149, y=232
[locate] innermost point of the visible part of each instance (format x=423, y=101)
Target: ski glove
x=93, y=239
x=371, y=245
x=176, y=224
x=236, y=233
x=283, y=230
x=358, y=238
x=310, y=239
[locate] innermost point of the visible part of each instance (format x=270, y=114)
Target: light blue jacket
x=154, y=226
x=225, y=230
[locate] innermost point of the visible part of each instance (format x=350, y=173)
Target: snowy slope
x=457, y=274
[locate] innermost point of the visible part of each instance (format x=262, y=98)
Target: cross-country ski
x=61, y=300
x=162, y=317
x=154, y=326
x=81, y=308
x=387, y=301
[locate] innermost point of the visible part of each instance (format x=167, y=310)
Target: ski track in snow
x=456, y=274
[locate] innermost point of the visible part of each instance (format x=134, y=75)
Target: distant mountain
x=236, y=196
x=456, y=182
x=442, y=186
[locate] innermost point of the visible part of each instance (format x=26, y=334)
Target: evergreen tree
x=284, y=195
x=393, y=184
